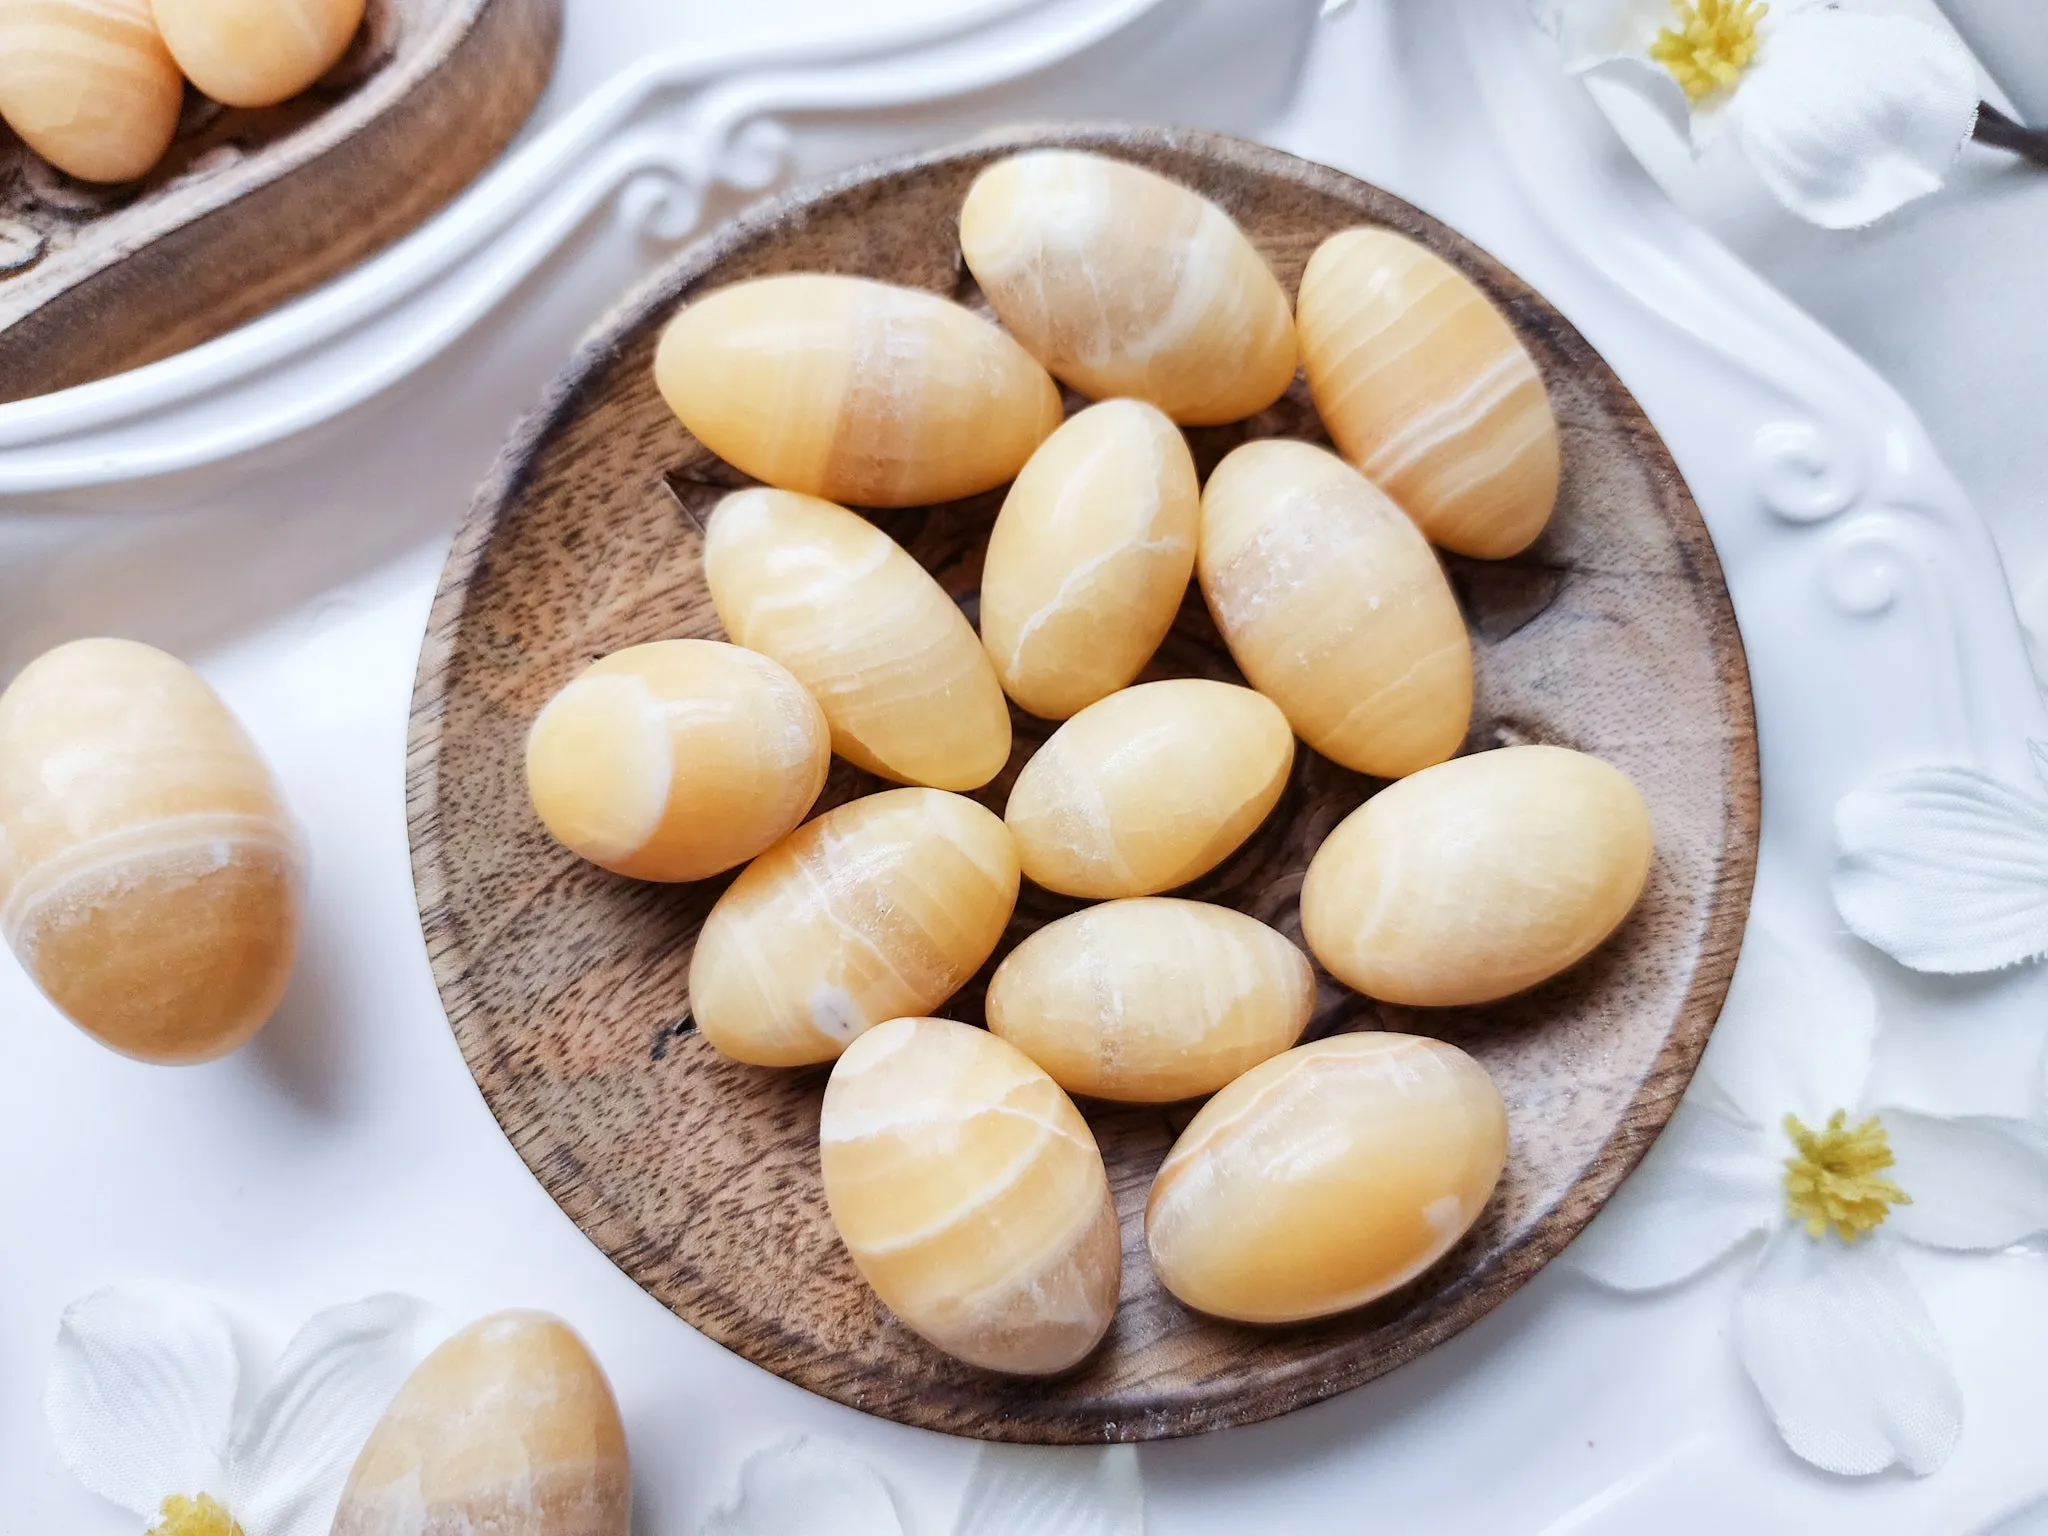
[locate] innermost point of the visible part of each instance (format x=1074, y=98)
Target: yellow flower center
x=1712, y=44
x=1833, y=1179
x=202, y=1516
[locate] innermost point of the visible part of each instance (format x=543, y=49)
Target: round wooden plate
x=566, y=986
x=251, y=208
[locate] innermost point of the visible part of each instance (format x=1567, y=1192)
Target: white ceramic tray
x=276, y=505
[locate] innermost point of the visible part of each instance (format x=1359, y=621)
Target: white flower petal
x=141, y=1394
x=1848, y=116
x=1029, y=1491
x=1796, y=1033
x=294, y=1447
x=1944, y=869
x=1708, y=1183
x=1653, y=84
x=1977, y=1182
x=805, y=1488
x=1845, y=1356
x=1590, y=33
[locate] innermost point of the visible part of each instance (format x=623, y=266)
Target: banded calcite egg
x=1149, y=788
x=1090, y=557
x=880, y=908
x=150, y=875
x=508, y=1427
x=1479, y=878
x=853, y=390
x=1326, y=1177
x=971, y=1196
x=89, y=85
x=903, y=680
x=256, y=53
x=1151, y=1000
x=676, y=760
x=1425, y=386
x=1124, y=283
x=1335, y=607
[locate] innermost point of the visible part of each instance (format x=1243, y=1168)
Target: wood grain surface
x=566, y=986
x=251, y=208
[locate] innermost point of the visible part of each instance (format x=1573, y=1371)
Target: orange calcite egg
x=894, y=663
x=971, y=1196
x=1425, y=386
x=853, y=390
x=676, y=760
x=1326, y=1177
x=880, y=908
x=1479, y=878
x=150, y=875
x=256, y=53
x=1151, y=1000
x=89, y=85
x=1089, y=560
x=1335, y=607
x=509, y=1427
x=1150, y=788
x=1125, y=283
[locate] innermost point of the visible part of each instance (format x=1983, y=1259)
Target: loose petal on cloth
x=1795, y=1036
x=1978, y=1183
x=1845, y=1356
x=805, y=1488
x=1847, y=117
x=1944, y=869
x=141, y=1394
x=294, y=1448
x=1029, y=1491
x=1710, y=1181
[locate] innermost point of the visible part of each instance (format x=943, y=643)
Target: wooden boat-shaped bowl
x=251, y=208
x=566, y=986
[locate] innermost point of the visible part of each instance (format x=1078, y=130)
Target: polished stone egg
x=1478, y=878
x=879, y=909
x=150, y=874
x=970, y=1193
x=1326, y=1177
x=1124, y=283
x=676, y=760
x=1151, y=1000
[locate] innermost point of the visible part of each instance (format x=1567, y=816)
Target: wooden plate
x=251, y=208
x=566, y=986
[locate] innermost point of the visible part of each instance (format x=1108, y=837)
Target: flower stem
x=2001, y=132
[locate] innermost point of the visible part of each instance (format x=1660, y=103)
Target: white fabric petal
x=1977, y=1183
x=1709, y=1182
x=1845, y=1356
x=141, y=1394
x=1590, y=33
x=293, y=1449
x=1848, y=116
x=1796, y=1033
x=805, y=1488
x=1032, y=1491
x=1944, y=869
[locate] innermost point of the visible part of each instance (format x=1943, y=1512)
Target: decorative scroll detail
x=1804, y=474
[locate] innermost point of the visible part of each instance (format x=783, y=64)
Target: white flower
x=1774, y=1138
x=1944, y=869
x=803, y=1488
x=1845, y=115
x=147, y=1407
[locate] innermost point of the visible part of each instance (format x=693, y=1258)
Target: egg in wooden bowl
x=1610, y=634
